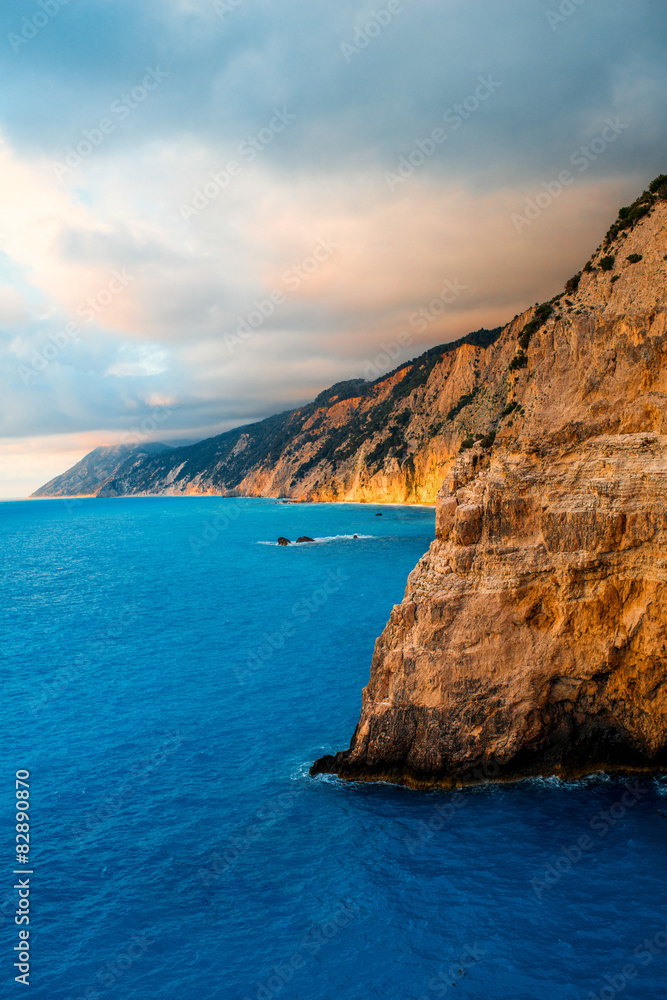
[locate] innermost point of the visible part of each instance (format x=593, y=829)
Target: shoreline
x=221, y=496
x=446, y=784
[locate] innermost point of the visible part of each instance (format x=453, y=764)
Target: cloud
x=12, y=307
x=136, y=363
x=29, y=462
x=157, y=250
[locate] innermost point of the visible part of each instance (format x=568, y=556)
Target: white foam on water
x=321, y=541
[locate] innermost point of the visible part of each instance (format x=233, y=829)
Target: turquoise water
x=168, y=680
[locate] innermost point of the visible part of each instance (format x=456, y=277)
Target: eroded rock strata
x=391, y=440
x=532, y=638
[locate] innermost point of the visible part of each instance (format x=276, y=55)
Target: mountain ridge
x=345, y=444
x=86, y=476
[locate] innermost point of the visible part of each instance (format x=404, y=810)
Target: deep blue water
x=168, y=681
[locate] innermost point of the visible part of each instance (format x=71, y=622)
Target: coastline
x=225, y=496
x=485, y=774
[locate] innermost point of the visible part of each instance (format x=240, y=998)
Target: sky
x=210, y=210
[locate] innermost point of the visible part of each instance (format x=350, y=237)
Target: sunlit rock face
x=532, y=638
x=388, y=441
x=391, y=441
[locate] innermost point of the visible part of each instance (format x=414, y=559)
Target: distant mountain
x=387, y=440
x=88, y=476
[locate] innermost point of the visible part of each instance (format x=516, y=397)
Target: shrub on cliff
x=542, y=314
x=634, y=258
x=659, y=186
x=462, y=401
x=467, y=443
x=527, y=332
x=572, y=284
x=393, y=445
x=631, y=214
x=607, y=263
x=519, y=361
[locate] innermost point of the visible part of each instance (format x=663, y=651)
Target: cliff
x=391, y=440
x=88, y=476
x=532, y=638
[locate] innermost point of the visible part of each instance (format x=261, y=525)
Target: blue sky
x=212, y=209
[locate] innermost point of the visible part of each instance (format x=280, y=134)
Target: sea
x=169, y=674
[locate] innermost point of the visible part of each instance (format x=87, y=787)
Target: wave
x=323, y=539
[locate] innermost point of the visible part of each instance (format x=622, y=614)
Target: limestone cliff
x=532, y=638
x=98, y=466
x=391, y=440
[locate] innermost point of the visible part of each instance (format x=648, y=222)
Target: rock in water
x=532, y=638
x=283, y=541
x=378, y=515
x=305, y=538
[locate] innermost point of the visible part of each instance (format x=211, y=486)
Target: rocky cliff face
x=88, y=476
x=532, y=638
x=391, y=440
